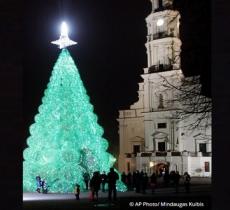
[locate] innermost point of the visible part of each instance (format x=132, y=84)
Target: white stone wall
x=131, y=132
x=153, y=87
x=195, y=166
x=162, y=51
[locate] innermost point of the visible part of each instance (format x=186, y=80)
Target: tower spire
x=163, y=43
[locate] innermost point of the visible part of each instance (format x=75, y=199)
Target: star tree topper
x=64, y=40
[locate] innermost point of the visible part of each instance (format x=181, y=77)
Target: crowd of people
x=98, y=181
x=140, y=181
x=137, y=181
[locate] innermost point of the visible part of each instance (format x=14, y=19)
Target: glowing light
x=160, y=22
x=64, y=40
x=151, y=164
x=65, y=140
x=64, y=29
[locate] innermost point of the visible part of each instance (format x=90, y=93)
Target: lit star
x=64, y=40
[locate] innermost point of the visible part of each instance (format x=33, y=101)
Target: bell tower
x=163, y=43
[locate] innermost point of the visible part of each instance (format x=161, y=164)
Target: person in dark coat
x=187, y=180
x=134, y=179
x=95, y=183
x=166, y=178
x=172, y=177
x=103, y=181
x=176, y=180
x=138, y=181
x=161, y=172
x=144, y=182
x=123, y=178
x=153, y=182
x=38, y=183
x=77, y=191
x=44, y=186
x=129, y=181
x=86, y=178
x=112, y=179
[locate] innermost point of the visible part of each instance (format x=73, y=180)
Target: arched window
x=160, y=3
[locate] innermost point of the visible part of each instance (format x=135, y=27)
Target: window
x=161, y=146
x=202, y=148
x=160, y=4
x=206, y=167
x=136, y=149
x=161, y=125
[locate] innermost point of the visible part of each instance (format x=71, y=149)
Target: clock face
x=160, y=22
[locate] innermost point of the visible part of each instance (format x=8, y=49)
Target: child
x=38, y=182
x=77, y=191
x=44, y=187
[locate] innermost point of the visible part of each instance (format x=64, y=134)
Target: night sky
x=110, y=54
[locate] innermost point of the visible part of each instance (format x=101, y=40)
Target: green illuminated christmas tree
x=65, y=140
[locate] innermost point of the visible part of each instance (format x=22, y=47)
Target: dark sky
x=110, y=54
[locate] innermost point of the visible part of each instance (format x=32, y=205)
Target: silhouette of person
x=86, y=178
x=123, y=177
x=44, y=186
x=138, y=181
x=134, y=179
x=129, y=180
x=144, y=182
x=176, y=181
x=38, y=183
x=187, y=180
x=77, y=191
x=95, y=183
x=103, y=180
x=166, y=178
x=153, y=181
x=112, y=179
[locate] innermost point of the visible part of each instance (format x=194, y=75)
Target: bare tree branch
x=189, y=101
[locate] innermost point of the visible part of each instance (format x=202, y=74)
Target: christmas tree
x=65, y=140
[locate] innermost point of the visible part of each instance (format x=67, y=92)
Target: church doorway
x=160, y=168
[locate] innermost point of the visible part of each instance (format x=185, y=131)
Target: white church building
x=151, y=135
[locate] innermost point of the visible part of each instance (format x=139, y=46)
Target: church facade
x=152, y=136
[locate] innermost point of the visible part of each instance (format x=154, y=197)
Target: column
x=154, y=144
x=148, y=54
x=153, y=5
x=152, y=55
x=166, y=143
x=150, y=96
x=156, y=3
x=146, y=95
x=170, y=54
x=156, y=55
x=161, y=55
